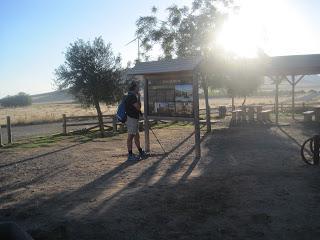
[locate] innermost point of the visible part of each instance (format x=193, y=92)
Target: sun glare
x=270, y=25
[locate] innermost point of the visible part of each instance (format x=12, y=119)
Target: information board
x=170, y=98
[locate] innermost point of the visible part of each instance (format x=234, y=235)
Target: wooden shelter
x=291, y=68
x=171, y=92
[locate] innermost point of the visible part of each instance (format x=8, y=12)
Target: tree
x=20, y=100
x=92, y=74
x=185, y=32
x=191, y=32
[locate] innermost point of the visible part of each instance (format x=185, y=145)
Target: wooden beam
x=196, y=115
x=146, y=119
x=64, y=124
x=293, y=79
x=299, y=79
x=180, y=119
x=0, y=137
x=288, y=80
x=9, y=132
x=277, y=82
x=206, y=96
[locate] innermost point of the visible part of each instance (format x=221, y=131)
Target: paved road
x=25, y=132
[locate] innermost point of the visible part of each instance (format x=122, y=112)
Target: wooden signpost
x=171, y=92
x=0, y=137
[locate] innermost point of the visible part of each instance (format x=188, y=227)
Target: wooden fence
x=109, y=121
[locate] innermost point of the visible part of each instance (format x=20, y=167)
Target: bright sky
x=35, y=33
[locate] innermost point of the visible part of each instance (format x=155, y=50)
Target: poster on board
x=170, y=98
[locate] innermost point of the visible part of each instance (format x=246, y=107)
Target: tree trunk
x=100, y=119
x=232, y=103
x=244, y=100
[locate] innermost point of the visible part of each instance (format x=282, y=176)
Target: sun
x=269, y=25
x=242, y=34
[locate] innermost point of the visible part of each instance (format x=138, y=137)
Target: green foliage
x=19, y=100
x=91, y=72
x=185, y=32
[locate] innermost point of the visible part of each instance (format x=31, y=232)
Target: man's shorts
x=132, y=125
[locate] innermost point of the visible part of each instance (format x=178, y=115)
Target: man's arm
x=137, y=105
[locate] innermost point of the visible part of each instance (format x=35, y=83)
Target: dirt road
x=249, y=184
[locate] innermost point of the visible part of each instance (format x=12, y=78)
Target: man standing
x=133, y=110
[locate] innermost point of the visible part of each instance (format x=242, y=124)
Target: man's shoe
x=143, y=155
x=132, y=157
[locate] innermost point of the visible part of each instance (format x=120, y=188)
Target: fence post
x=0, y=137
x=114, y=123
x=303, y=107
x=9, y=132
x=64, y=124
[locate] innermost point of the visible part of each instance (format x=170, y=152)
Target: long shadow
x=147, y=174
x=38, y=179
x=41, y=155
x=177, y=165
x=290, y=137
x=93, y=189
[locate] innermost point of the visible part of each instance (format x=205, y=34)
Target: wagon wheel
x=307, y=154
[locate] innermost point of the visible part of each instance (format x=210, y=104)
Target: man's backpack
x=121, y=111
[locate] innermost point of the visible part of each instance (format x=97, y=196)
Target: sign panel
x=170, y=98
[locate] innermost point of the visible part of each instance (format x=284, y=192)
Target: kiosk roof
x=166, y=66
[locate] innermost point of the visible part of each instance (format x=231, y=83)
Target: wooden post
x=146, y=120
x=9, y=130
x=278, y=79
x=292, y=101
x=196, y=115
x=114, y=123
x=232, y=102
x=64, y=124
x=0, y=137
x=206, y=96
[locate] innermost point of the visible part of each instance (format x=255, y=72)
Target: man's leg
x=129, y=143
x=137, y=140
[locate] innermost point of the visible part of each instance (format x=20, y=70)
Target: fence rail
x=74, y=121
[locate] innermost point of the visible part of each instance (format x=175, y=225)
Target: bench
x=236, y=115
x=307, y=116
x=265, y=114
x=251, y=113
x=259, y=112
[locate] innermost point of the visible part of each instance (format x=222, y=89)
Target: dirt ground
x=249, y=184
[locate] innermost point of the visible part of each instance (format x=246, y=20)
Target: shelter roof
x=294, y=65
x=166, y=66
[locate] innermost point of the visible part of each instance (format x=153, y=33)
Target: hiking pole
x=158, y=140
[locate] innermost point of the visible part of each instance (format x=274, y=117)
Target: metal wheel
x=307, y=153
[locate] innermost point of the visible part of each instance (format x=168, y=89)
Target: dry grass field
x=51, y=112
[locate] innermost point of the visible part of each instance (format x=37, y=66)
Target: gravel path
x=249, y=184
